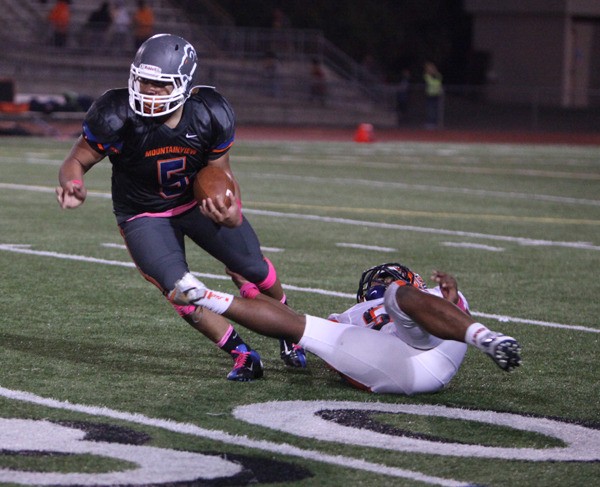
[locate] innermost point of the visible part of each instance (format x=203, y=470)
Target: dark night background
x=397, y=34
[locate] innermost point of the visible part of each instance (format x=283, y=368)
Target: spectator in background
x=280, y=24
x=318, y=84
x=98, y=24
x=143, y=23
x=121, y=24
x=60, y=17
x=433, y=95
x=372, y=69
x=279, y=19
x=272, y=73
x=402, y=96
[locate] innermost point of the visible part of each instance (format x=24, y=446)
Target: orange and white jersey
x=372, y=314
x=368, y=313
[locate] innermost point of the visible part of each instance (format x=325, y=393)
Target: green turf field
x=87, y=345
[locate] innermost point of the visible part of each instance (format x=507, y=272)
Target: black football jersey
x=153, y=166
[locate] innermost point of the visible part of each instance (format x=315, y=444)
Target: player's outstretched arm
x=72, y=192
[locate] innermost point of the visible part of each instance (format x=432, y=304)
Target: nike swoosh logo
x=190, y=136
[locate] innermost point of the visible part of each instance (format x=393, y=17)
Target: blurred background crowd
x=432, y=64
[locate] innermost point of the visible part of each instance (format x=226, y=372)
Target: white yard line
x=345, y=221
x=375, y=248
x=426, y=188
x=436, y=231
x=26, y=249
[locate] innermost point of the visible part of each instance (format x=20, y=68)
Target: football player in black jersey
x=158, y=133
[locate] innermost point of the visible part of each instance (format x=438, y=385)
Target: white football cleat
x=505, y=351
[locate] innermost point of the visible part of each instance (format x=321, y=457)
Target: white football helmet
x=164, y=58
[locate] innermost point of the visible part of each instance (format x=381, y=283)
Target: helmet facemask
x=165, y=59
x=374, y=281
x=155, y=105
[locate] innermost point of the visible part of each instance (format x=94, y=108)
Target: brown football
x=212, y=181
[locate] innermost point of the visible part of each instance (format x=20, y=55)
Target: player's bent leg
x=247, y=363
x=435, y=368
x=445, y=320
x=161, y=264
x=373, y=360
x=404, y=326
x=292, y=354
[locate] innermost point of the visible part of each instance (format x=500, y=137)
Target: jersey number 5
x=171, y=178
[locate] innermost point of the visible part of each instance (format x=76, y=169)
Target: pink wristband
x=77, y=181
x=249, y=290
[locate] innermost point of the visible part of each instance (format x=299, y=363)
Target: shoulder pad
x=208, y=94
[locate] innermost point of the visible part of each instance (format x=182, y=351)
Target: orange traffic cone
x=364, y=133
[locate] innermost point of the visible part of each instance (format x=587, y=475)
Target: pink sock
x=225, y=337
